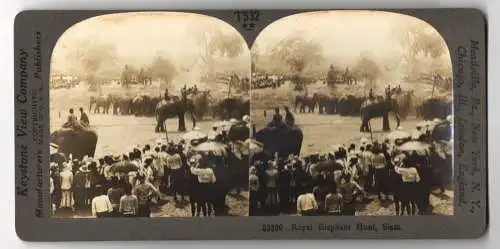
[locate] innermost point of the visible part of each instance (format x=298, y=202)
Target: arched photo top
x=404, y=47
x=189, y=45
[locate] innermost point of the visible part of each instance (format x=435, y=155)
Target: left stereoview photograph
x=148, y=117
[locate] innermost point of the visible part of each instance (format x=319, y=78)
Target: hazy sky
x=138, y=37
x=342, y=34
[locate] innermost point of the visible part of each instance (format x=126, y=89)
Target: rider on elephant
x=371, y=97
x=84, y=119
x=72, y=120
x=166, y=96
x=184, y=92
x=388, y=92
x=277, y=118
x=289, y=118
x=195, y=89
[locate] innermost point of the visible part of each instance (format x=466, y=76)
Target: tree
x=419, y=41
x=368, y=69
x=92, y=60
x=214, y=42
x=162, y=69
x=297, y=53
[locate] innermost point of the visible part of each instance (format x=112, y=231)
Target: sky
x=139, y=37
x=341, y=34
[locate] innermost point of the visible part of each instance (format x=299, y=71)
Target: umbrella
x=443, y=149
x=419, y=147
x=398, y=135
x=54, y=148
x=329, y=165
x=194, y=135
x=123, y=167
x=254, y=146
x=224, y=125
x=211, y=146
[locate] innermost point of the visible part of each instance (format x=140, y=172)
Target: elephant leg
x=159, y=124
x=157, y=128
x=385, y=122
x=193, y=119
x=182, y=122
x=362, y=128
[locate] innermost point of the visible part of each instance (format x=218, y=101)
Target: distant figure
x=166, y=96
x=388, y=92
x=72, y=120
x=370, y=95
x=289, y=118
x=84, y=119
x=265, y=113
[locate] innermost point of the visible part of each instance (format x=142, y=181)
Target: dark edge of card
x=459, y=27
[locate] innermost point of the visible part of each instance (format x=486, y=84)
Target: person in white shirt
x=101, y=205
x=366, y=164
x=66, y=187
x=206, y=180
x=410, y=178
x=306, y=204
x=176, y=171
x=379, y=165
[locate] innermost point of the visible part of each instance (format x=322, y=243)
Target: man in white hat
x=249, y=124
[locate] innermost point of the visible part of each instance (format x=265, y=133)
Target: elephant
x=405, y=103
x=326, y=104
x=124, y=105
x=175, y=108
x=116, y=101
x=302, y=102
x=442, y=132
x=232, y=108
x=378, y=108
x=284, y=140
x=144, y=105
x=435, y=108
x=349, y=105
x=201, y=101
x=78, y=143
x=98, y=102
x=239, y=132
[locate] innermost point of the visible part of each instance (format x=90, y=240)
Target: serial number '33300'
x=272, y=227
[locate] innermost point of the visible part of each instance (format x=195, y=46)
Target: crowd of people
x=335, y=182
x=129, y=185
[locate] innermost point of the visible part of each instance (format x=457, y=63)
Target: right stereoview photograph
x=352, y=115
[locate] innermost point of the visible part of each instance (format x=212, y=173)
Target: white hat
x=449, y=118
x=246, y=118
x=364, y=140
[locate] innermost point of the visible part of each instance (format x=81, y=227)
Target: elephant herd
x=399, y=104
x=347, y=105
x=200, y=104
x=140, y=105
x=351, y=105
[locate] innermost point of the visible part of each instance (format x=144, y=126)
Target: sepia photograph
x=149, y=117
x=352, y=110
